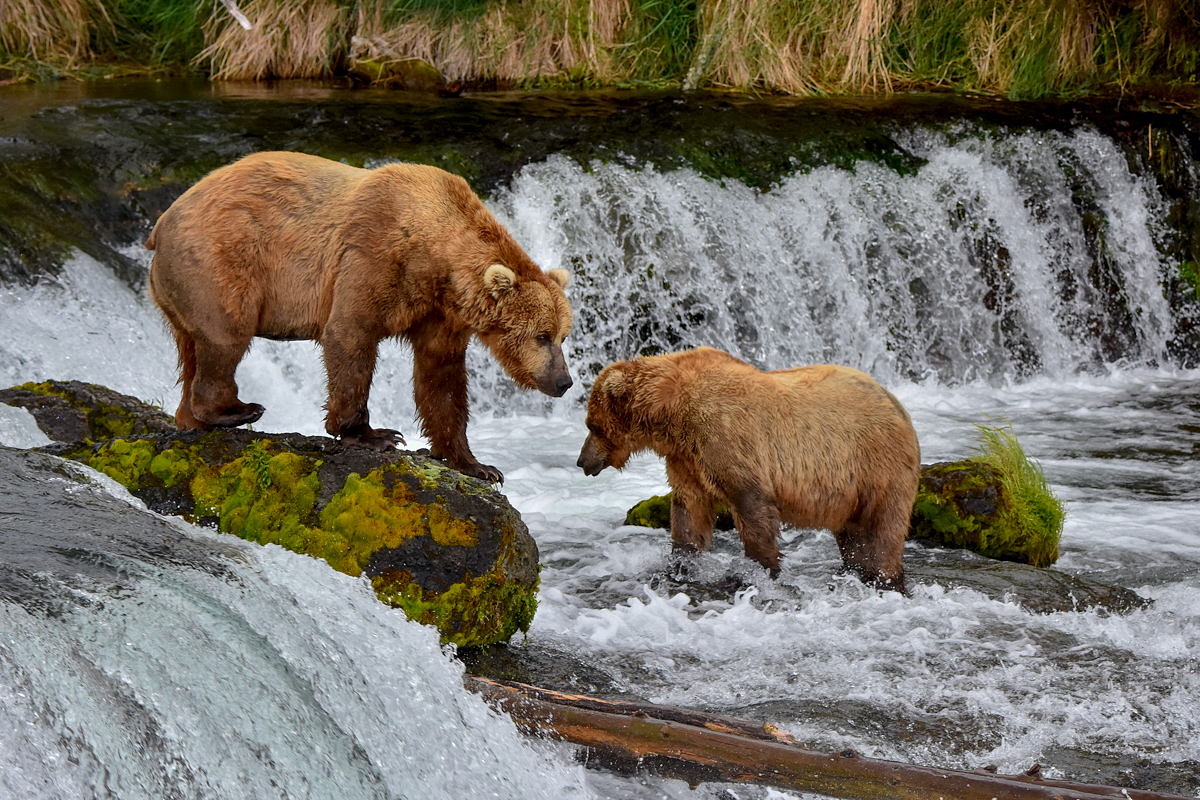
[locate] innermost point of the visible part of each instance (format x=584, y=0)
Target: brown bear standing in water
x=813, y=447
x=291, y=246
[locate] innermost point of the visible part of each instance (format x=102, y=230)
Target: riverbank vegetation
x=1017, y=48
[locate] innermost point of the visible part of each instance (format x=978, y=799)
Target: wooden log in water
x=699, y=748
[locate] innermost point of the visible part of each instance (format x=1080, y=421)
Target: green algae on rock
x=655, y=512
x=447, y=549
x=72, y=411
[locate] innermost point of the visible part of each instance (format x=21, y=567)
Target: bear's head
x=611, y=437
x=528, y=318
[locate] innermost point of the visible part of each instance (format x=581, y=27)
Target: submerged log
x=701, y=748
x=446, y=548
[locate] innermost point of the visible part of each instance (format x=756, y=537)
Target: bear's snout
x=554, y=380
x=591, y=460
x=555, y=383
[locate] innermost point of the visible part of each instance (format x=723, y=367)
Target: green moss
x=126, y=461
x=1190, y=272
x=655, y=512
x=269, y=494
x=475, y=612
x=104, y=421
x=367, y=515
x=1037, y=515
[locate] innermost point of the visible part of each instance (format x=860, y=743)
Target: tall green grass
x=1036, y=515
x=1019, y=48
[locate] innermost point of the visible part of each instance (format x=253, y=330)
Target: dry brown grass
x=1018, y=47
x=56, y=32
x=508, y=42
x=862, y=48
x=799, y=46
x=290, y=39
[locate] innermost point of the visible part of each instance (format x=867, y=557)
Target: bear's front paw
x=484, y=472
x=373, y=439
x=232, y=417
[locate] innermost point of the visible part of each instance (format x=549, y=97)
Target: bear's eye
x=543, y=339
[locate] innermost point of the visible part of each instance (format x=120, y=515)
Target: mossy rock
x=967, y=504
x=71, y=411
x=446, y=548
x=412, y=74
x=655, y=512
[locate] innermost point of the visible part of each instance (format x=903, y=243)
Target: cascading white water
x=147, y=660
x=975, y=266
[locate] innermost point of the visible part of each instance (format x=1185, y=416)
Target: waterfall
x=1011, y=263
x=1002, y=256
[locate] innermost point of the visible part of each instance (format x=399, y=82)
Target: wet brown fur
x=814, y=447
x=291, y=246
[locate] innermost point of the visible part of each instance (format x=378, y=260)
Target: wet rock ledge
x=446, y=548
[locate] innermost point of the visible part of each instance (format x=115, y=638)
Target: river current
x=143, y=657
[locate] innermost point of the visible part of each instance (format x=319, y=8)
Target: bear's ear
x=616, y=382
x=560, y=276
x=498, y=279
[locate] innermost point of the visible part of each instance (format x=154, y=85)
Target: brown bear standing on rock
x=813, y=447
x=291, y=246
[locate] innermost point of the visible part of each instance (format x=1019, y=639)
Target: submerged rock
x=1040, y=590
x=446, y=548
x=655, y=512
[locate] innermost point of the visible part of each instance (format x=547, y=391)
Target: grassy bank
x=1018, y=48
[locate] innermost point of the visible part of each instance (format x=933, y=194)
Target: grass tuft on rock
x=996, y=503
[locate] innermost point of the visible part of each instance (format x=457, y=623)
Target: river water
x=990, y=273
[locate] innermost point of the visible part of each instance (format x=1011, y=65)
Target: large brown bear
x=814, y=447
x=291, y=246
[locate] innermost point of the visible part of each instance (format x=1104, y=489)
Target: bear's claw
x=484, y=472
x=373, y=439
x=232, y=417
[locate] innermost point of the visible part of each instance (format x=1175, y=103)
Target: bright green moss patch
x=653, y=512
x=462, y=562
x=123, y=460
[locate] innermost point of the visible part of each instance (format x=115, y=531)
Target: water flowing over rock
x=446, y=548
x=72, y=411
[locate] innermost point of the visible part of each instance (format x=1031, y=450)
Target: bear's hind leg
x=873, y=544
x=214, y=393
x=872, y=555
x=757, y=520
x=185, y=420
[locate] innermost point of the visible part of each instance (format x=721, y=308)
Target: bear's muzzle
x=591, y=460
